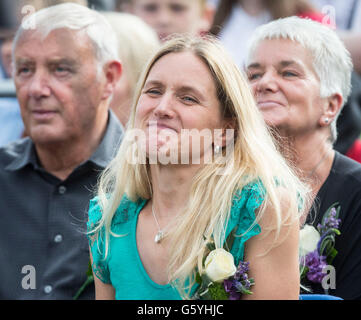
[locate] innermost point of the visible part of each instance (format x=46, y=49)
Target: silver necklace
x=160, y=234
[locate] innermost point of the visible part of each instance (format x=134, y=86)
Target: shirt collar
x=109, y=145
x=23, y=151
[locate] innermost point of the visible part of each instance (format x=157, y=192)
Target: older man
x=65, y=72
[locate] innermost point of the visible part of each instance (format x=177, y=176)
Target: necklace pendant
x=159, y=236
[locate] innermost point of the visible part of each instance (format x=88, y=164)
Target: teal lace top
x=123, y=267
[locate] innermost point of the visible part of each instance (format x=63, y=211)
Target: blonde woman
x=151, y=222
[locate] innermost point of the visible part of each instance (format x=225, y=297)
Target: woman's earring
x=326, y=120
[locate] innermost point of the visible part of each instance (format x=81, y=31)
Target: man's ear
x=332, y=108
x=112, y=70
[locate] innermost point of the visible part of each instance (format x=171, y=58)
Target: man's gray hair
x=331, y=60
x=75, y=17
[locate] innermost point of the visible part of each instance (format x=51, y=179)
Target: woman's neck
x=312, y=155
x=171, y=186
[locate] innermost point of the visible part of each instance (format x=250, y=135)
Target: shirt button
x=58, y=238
x=48, y=289
x=62, y=189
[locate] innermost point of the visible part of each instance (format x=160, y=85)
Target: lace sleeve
x=243, y=214
x=97, y=243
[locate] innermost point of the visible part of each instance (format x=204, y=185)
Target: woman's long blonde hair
x=206, y=214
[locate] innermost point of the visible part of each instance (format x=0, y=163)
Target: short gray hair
x=76, y=17
x=331, y=60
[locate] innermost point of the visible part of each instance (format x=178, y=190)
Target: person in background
x=344, y=15
x=24, y=8
x=300, y=74
x=167, y=17
x=152, y=220
x=235, y=20
x=136, y=43
x=122, y=5
x=65, y=71
x=5, y=55
x=349, y=123
x=11, y=124
x=103, y=5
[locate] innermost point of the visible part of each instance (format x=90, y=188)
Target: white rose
x=309, y=238
x=219, y=265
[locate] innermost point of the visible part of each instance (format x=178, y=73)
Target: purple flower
x=229, y=286
x=316, y=261
x=315, y=264
x=239, y=283
x=330, y=222
x=242, y=270
x=234, y=296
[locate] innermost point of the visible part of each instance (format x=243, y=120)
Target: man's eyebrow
x=67, y=61
x=286, y=63
x=283, y=63
x=23, y=61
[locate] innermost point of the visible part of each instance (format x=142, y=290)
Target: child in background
x=235, y=20
x=167, y=17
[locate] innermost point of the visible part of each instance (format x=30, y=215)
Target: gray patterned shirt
x=43, y=245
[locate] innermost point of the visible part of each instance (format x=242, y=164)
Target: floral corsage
x=221, y=279
x=317, y=246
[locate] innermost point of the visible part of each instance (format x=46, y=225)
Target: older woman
x=300, y=74
x=153, y=220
